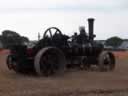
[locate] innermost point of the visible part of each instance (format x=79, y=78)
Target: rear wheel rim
x=49, y=64
x=46, y=67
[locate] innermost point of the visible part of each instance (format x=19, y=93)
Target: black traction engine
x=56, y=52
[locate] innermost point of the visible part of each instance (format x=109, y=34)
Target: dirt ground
x=74, y=83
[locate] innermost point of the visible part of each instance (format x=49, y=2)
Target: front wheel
x=106, y=61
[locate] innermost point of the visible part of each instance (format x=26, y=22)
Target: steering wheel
x=52, y=30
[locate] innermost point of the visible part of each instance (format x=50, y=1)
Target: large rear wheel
x=49, y=61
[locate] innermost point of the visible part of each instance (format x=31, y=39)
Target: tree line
x=115, y=41
x=9, y=38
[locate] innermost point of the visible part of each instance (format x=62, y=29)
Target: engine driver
x=82, y=37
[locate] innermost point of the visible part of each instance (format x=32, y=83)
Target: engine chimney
x=90, y=29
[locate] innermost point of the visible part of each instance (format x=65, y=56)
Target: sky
x=28, y=17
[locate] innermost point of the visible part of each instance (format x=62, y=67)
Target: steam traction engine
x=55, y=52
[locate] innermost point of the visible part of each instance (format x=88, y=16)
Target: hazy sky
x=28, y=17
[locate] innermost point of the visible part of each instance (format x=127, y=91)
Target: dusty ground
x=74, y=83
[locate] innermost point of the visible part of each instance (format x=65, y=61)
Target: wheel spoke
x=50, y=32
x=56, y=31
x=49, y=63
